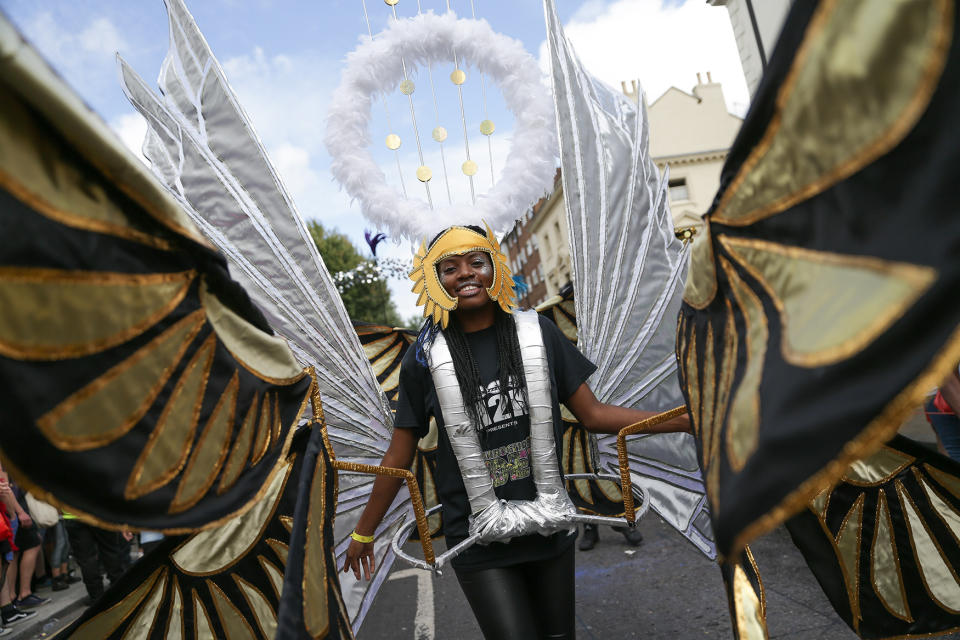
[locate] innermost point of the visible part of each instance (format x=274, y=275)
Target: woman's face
x=467, y=278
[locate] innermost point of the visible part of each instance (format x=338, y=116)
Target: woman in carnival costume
x=493, y=379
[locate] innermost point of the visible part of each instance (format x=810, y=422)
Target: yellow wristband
x=359, y=538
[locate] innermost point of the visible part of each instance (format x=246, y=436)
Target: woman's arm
x=399, y=455
x=607, y=418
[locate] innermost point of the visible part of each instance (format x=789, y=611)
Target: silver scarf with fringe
x=494, y=519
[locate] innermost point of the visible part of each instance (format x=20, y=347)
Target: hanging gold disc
x=487, y=127
x=391, y=2
x=393, y=141
x=458, y=77
x=439, y=134
x=424, y=173
x=470, y=168
x=407, y=87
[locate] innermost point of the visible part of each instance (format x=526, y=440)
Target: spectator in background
x=941, y=410
x=10, y=613
x=58, y=558
x=92, y=546
x=29, y=541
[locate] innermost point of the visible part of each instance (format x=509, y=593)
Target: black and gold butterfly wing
x=245, y=579
x=821, y=301
x=884, y=542
x=141, y=387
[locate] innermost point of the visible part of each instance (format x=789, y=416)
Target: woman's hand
x=360, y=553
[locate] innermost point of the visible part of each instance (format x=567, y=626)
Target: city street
x=664, y=588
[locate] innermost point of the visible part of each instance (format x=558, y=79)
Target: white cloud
x=660, y=45
x=101, y=36
x=84, y=55
x=132, y=128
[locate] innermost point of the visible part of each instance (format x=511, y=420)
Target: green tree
x=365, y=302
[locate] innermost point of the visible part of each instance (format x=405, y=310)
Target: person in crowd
x=591, y=535
x=92, y=546
x=30, y=542
x=942, y=409
x=13, y=514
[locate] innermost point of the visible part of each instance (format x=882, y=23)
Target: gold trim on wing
x=210, y=451
x=885, y=573
x=265, y=356
x=39, y=320
x=877, y=469
x=750, y=616
x=104, y=624
x=169, y=444
x=110, y=405
x=233, y=622
x=831, y=306
x=263, y=612
x=863, y=103
x=215, y=551
x=743, y=425
x=701, y=286
x=146, y=619
x=848, y=542
x=236, y=463
x=316, y=616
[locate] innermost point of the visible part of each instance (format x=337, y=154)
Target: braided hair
x=509, y=362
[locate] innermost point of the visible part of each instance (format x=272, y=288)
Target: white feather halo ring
x=375, y=68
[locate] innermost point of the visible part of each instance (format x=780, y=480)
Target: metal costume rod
x=626, y=485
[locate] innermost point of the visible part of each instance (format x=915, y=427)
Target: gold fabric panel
x=744, y=423
x=951, y=483
x=109, y=406
x=938, y=576
x=568, y=328
x=175, y=626
x=708, y=426
x=265, y=356
x=107, y=622
x=215, y=550
x=944, y=511
x=885, y=564
x=287, y=522
x=380, y=364
x=376, y=347
x=583, y=486
x=275, y=575
x=727, y=372
x=142, y=625
x=751, y=622
x=820, y=502
x=201, y=619
x=262, y=443
x=862, y=78
x=234, y=624
x=878, y=469
x=36, y=323
x=169, y=444
x=701, y=284
x=265, y=615
x=831, y=305
x=210, y=451
x=315, y=615
x=694, y=382
x=848, y=548
x=391, y=382
x=36, y=170
x=241, y=449
x=280, y=548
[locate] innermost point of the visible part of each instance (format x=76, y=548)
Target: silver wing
x=620, y=227
x=203, y=147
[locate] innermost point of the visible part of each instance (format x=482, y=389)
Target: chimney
x=709, y=79
x=699, y=81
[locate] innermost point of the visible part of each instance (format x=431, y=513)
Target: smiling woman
x=493, y=379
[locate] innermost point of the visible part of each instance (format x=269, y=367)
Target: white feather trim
x=374, y=68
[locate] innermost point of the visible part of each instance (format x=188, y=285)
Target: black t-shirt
x=504, y=437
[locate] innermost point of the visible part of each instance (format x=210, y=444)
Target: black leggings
x=524, y=601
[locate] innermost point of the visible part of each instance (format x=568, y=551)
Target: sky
x=284, y=58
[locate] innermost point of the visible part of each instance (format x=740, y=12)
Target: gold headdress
x=456, y=241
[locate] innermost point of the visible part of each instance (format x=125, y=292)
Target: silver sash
x=491, y=518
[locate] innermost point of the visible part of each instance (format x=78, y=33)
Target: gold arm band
x=626, y=485
x=415, y=498
x=359, y=538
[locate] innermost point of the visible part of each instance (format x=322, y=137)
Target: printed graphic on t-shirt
x=504, y=434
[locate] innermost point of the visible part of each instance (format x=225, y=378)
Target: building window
x=678, y=189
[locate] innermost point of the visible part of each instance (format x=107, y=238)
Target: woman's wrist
x=361, y=538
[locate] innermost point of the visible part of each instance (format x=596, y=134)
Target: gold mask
x=457, y=241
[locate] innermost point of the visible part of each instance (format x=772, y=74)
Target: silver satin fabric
x=628, y=275
x=203, y=147
x=491, y=518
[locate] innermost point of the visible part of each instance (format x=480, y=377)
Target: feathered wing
x=628, y=270
x=203, y=146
